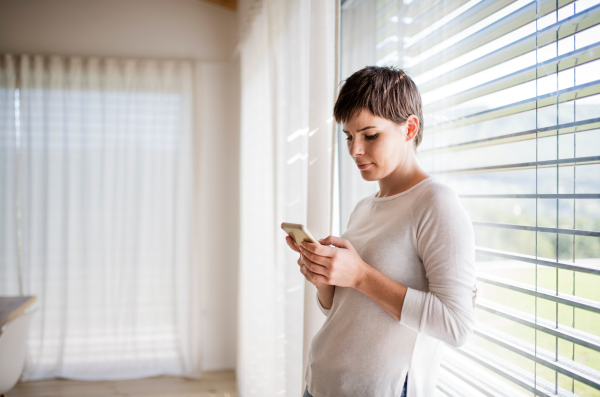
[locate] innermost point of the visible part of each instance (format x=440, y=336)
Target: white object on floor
x=13, y=344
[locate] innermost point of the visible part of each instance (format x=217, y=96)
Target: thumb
x=334, y=240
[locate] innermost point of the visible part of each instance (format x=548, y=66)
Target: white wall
x=187, y=29
x=128, y=28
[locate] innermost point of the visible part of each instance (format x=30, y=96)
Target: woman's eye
x=366, y=136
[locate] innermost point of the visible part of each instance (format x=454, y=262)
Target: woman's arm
x=325, y=295
x=344, y=267
x=382, y=290
x=445, y=242
x=444, y=238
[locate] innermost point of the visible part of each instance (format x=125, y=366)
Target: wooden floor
x=212, y=384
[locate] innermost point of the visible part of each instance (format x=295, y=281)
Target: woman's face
x=379, y=145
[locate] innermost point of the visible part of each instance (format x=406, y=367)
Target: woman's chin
x=368, y=176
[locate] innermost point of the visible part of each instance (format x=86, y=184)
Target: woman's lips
x=363, y=166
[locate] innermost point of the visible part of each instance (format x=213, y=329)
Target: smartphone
x=298, y=233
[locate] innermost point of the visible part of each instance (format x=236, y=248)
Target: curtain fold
x=105, y=185
x=288, y=72
x=9, y=260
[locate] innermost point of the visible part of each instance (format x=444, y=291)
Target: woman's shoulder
x=438, y=188
x=438, y=211
x=435, y=196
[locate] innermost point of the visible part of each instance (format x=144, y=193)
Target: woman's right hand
x=307, y=273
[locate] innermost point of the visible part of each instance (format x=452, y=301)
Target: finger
x=337, y=241
x=292, y=244
x=314, y=267
x=315, y=277
x=308, y=275
x=291, y=241
x=323, y=250
x=305, y=273
x=318, y=259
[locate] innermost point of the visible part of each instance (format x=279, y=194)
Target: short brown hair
x=385, y=91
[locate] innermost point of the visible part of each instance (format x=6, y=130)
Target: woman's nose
x=356, y=148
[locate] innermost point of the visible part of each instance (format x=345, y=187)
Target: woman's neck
x=402, y=179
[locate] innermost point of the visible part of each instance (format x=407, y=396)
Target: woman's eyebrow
x=362, y=129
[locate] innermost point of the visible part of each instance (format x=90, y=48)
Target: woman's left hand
x=339, y=265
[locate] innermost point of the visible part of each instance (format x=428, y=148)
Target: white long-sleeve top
x=423, y=239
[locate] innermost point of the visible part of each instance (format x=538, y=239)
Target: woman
x=399, y=282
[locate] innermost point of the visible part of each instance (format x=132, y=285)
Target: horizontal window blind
x=512, y=123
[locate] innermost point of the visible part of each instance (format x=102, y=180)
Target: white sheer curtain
x=103, y=149
x=357, y=51
x=9, y=277
x=288, y=66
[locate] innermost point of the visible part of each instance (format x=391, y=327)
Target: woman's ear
x=412, y=127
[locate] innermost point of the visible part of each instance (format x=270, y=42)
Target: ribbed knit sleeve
x=444, y=239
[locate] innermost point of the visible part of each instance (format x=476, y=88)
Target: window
x=95, y=202
x=512, y=111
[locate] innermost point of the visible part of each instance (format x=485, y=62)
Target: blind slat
x=469, y=17
x=561, y=129
x=568, y=300
x=448, y=387
x=558, y=64
x=541, y=229
x=480, y=382
x=579, y=196
x=566, y=367
x=553, y=98
x=523, y=166
x=509, y=23
x=539, y=261
x=512, y=373
x=557, y=31
x=565, y=333
x=422, y=18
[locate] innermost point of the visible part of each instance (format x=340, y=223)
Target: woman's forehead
x=365, y=120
